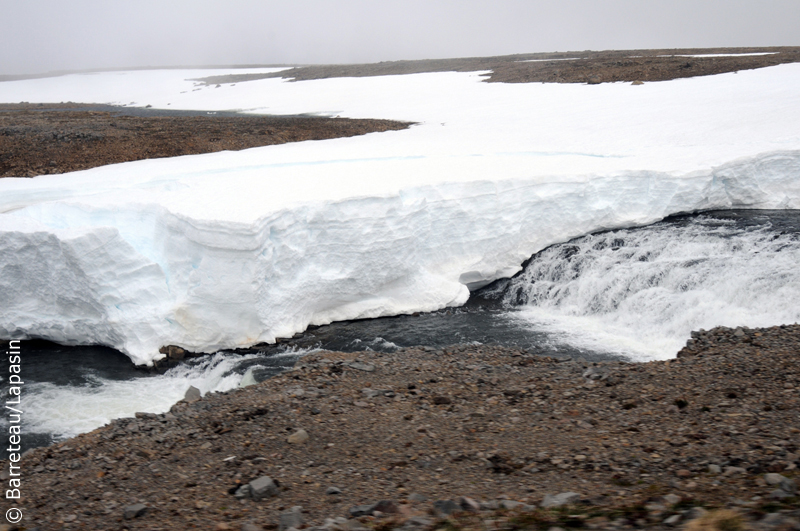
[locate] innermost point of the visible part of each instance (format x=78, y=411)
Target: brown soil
x=639, y=443
x=41, y=139
x=560, y=67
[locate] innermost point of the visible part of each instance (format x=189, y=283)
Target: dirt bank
x=637, y=443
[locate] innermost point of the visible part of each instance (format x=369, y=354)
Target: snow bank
x=229, y=249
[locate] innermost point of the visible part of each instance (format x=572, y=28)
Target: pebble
x=298, y=437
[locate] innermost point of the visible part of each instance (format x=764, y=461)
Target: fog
x=39, y=36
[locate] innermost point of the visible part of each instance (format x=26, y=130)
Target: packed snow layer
x=229, y=249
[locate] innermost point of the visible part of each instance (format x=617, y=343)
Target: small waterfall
x=640, y=291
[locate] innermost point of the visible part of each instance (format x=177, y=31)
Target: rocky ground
x=559, y=67
x=468, y=437
x=41, y=139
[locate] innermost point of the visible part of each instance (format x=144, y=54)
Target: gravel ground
x=42, y=139
x=638, y=444
x=559, y=67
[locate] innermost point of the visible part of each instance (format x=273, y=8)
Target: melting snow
x=233, y=248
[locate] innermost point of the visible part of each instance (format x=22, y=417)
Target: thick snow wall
x=140, y=277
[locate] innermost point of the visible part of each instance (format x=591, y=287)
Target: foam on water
x=67, y=410
x=639, y=292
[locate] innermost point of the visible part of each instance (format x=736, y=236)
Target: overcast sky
x=46, y=35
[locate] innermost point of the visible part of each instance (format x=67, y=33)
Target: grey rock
x=714, y=469
x=263, y=487
x=673, y=520
x=243, y=492
x=773, y=479
x=293, y=518
x=134, y=511
x=416, y=497
x=192, y=394
x=249, y=526
x=444, y=508
x=333, y=491
x=557, y=500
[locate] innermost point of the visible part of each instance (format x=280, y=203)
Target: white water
x=640, y=292
x=66, y=411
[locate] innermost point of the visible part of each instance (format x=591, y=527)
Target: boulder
x=192, y=394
